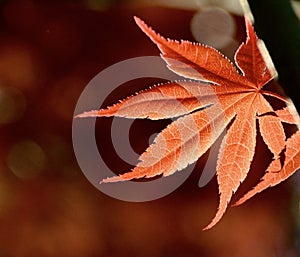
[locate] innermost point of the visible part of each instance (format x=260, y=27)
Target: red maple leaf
x=219, y=93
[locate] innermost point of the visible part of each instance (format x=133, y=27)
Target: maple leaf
x=219, y=93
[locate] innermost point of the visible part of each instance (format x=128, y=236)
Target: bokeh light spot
x=26, y=159
x=19, y=65
x=12, y=105
x=296, y=7
x=64, y=95
x=214, y=27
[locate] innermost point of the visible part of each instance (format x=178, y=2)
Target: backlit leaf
x=220, y=94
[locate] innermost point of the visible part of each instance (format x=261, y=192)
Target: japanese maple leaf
x=218, y=94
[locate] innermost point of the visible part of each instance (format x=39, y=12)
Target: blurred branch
x=277, y=24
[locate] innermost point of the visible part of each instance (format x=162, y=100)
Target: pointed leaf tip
x=154, y=36
x=137, y=20
x=140, y=23
x=111, y=180
x=93, y=113
x=249, y=26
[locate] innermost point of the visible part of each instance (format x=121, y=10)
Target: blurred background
x=49, y=51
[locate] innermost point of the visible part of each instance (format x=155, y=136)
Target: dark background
x=49, y=51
